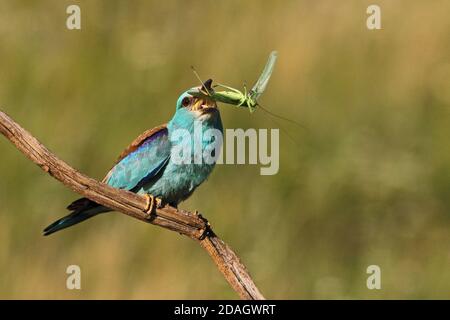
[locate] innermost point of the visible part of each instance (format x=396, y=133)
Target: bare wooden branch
x=133, y=205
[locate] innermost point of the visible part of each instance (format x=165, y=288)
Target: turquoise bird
x=148, y=166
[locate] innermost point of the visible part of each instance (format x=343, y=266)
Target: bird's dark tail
x=82, y=209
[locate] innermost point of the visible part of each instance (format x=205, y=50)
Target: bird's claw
x=152, y=204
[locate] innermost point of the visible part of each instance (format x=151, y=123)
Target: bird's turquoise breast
x=178, y=180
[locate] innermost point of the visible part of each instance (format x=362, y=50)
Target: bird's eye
x=186, y=101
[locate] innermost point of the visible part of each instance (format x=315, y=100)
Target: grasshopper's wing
x=261, y=84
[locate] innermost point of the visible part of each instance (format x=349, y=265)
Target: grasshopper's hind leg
x=229, y=88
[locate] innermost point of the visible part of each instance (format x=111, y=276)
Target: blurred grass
x=369, y=183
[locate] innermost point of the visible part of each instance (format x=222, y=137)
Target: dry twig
x=133, y=205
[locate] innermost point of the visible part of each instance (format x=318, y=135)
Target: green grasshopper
x=243, y=99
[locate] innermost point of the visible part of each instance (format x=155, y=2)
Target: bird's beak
x=204, y=102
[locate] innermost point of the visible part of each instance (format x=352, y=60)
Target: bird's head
x=197, y=102
x=195, y=105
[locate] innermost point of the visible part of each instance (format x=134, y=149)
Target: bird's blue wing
x=141, y=161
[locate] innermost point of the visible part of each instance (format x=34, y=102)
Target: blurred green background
x=367, y=183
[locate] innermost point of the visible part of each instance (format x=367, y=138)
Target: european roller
x=148, y=166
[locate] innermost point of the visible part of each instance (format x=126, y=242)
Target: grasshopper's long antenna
x=284, y=131
x=200, y=79
x=283, y=118
x=273, y=115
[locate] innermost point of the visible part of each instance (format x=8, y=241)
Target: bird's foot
x=152, y=204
